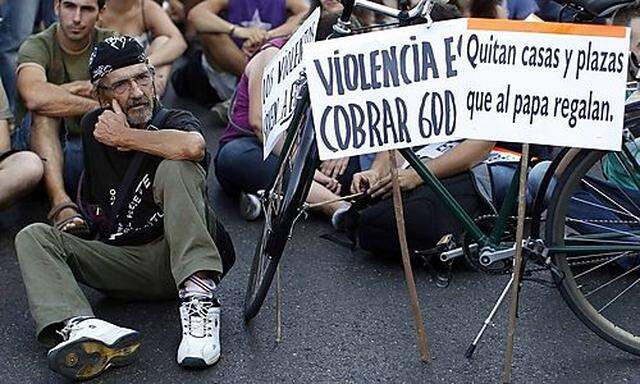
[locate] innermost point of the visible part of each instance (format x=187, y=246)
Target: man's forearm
x=460, y=159
x=168, y=52
x=206, y=21
x=168, y=144
x=5, y=136
x=287, y=28
x=381, y=162
x=54, y=101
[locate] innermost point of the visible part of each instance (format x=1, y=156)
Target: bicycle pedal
x=446, y=241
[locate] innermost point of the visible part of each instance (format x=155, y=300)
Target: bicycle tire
x=582, y=302
x=292, y=181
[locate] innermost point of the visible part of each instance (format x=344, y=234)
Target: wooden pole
x=278, y=305
x=517, y=268
x=425, y=355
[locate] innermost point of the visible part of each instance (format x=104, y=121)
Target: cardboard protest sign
x=544, y=83
x=386, y=89
x=278, y=83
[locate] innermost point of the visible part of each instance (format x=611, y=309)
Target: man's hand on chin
x=112, y=127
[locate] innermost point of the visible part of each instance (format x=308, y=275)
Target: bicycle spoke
x=612, y=281
x=601, y=207
x=578, y=258
x=599, y=241
x=631, y=234
x=619, y=295
x=609, y=261
x=621, y=190
x=610, y=199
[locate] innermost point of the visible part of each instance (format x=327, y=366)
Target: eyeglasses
x=120, y=87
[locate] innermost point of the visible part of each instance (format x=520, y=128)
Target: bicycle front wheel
x=283, y=203
x=596, y=202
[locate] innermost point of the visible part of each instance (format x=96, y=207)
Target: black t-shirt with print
x=140, y=219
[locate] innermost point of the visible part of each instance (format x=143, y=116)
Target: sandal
x=79, y=228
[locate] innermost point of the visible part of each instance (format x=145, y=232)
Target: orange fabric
x=554, y=28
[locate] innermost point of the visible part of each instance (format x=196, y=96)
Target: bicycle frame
x=487, y=241
x=492, y=240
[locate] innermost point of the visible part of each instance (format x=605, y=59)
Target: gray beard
x=140, y=118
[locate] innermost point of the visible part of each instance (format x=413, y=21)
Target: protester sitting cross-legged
x=19, y=171
x=230, y=30
x=146, y=21
x=157, y=235
x=239, y=162
x=52, y=80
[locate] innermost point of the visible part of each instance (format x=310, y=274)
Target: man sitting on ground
x=52, y=81
x=145, y=178
x=19, y=171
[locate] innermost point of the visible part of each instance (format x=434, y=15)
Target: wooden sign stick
x=518, y=265
x=425, y=355
x=278, y=304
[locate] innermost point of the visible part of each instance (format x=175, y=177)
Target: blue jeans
x=71, y=148
x=18, y=20
x=239, y=166
x=502, y=174
x=73, y=164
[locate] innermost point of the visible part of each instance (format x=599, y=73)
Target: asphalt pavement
x=346, y=319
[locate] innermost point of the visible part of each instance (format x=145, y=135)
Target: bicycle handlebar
x=349, y=5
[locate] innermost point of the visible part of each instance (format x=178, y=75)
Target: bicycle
x=571, y=247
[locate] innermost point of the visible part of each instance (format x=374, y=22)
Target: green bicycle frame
x=450, y=202
x=492, y=240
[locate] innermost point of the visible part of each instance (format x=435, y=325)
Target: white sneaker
x=90, y=347
x=200, y=345
x=250, y=206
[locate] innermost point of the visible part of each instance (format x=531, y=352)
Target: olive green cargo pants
x=53, y=262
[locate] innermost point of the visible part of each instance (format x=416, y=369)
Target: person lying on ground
x=157, y=237
x=146, y=21
x=20, y=172
x=240, y=168
x=228, y=40
x=53, y=83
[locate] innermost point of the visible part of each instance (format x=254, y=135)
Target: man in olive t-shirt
x=53, y=85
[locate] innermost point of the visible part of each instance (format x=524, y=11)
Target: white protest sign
x=278, y=83
x=386, y=89
x=469, y=79
x=545, y=83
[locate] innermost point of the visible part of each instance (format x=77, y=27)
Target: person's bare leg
x=5, y=136
x=19, y=174
x=45, y=141
x=222, y=52
x=319, y=194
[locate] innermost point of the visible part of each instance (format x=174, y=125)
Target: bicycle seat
x=604, y=8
